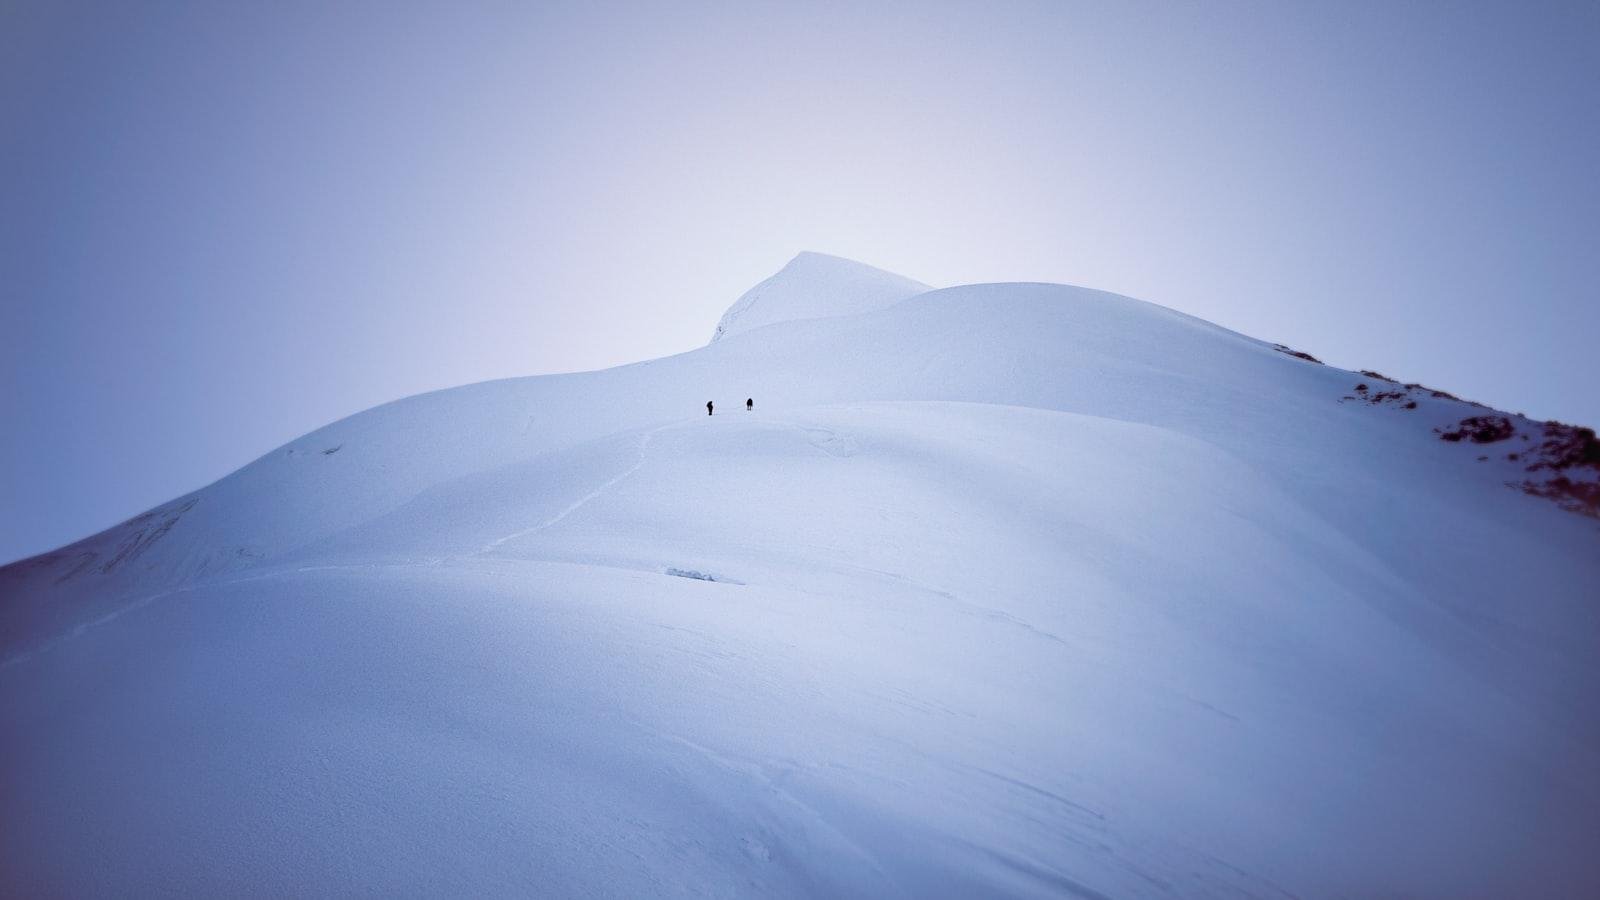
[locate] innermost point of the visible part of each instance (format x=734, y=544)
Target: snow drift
x=1001, y=590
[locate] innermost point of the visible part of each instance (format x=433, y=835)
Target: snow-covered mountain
x=1012, y=589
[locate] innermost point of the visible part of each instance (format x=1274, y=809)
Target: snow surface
x=1017, y=589
x=815, y=286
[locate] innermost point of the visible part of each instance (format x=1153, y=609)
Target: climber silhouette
x=708, y=407
x=749, y=404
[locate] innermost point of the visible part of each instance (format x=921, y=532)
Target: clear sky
x=225, y=224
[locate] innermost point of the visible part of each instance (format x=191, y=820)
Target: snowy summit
x=998, y=590
x=816, y=286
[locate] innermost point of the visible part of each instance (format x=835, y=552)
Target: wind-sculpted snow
x=813, y=286
x=1002, y=590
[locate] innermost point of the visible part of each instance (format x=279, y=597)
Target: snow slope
x=816, y=286
x=1018, y=590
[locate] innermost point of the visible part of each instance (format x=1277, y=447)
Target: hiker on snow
x=749, y=404
x=708, y=407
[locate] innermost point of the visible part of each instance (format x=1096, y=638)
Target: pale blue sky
x=223, y=225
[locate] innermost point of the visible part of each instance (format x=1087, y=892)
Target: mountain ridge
x=1009, y=589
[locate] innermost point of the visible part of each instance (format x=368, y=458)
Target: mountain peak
x=816, y=286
